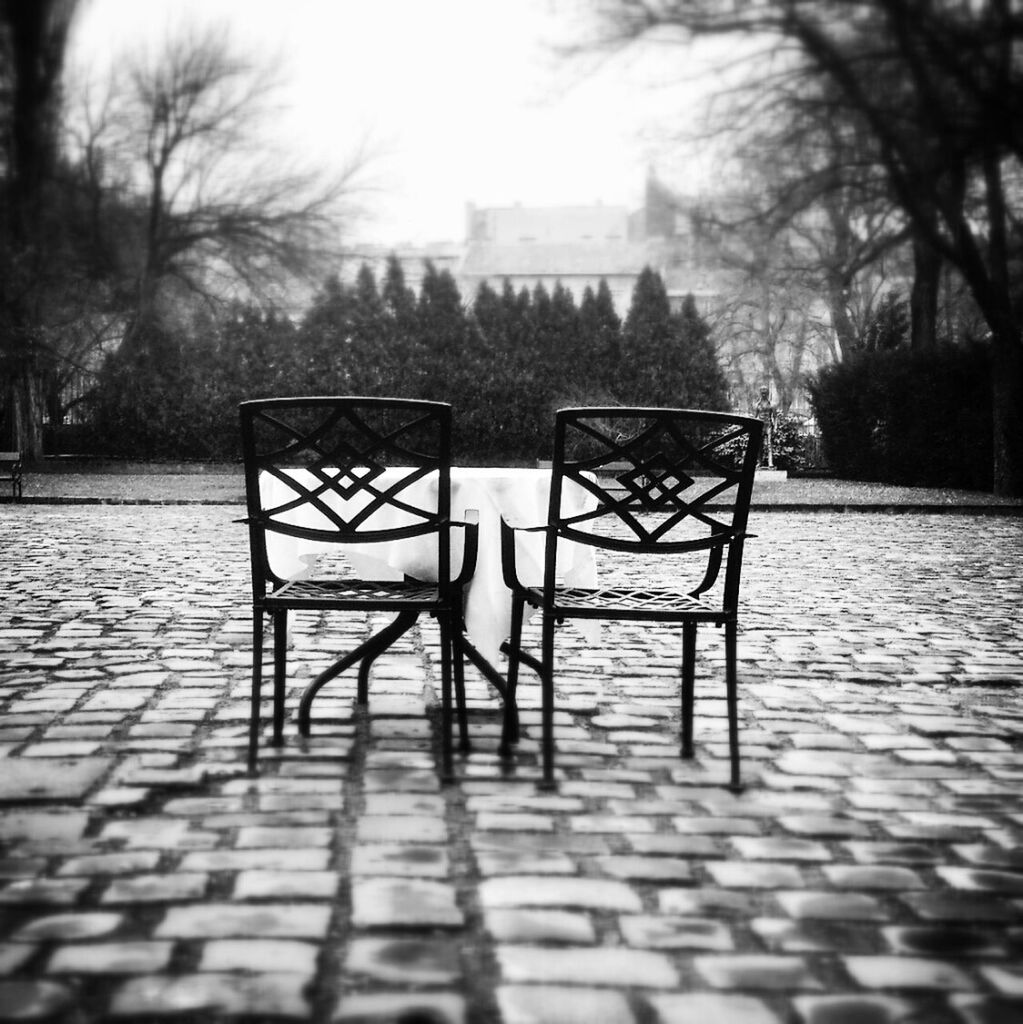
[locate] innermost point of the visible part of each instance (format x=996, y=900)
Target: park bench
x=10, y=469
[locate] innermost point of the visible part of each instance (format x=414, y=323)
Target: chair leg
x=257, y=685
x=688, y=685
x=458, y=670
x=510, y=725
x=280, y=670
x=731, y=682
x=446, y=652
x=547, y=781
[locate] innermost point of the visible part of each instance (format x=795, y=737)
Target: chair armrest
x=508, y=567
x=471, y=547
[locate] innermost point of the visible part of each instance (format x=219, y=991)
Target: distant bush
x=791, y=444
x=912, y=418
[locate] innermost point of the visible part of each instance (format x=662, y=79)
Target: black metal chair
x=668, y=483
x=351, y=471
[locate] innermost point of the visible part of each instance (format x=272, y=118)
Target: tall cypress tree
x=443, y=328
x=701, y=382
x=367, y=351
x=600, y=338
x=667, y=359
x=403, y=351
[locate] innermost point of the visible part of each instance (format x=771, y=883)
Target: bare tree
x=938, y=84
x=197, y=204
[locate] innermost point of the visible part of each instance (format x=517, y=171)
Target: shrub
x=790, y=444
x=912, y=418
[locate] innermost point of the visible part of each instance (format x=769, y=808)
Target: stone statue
x=766, y=412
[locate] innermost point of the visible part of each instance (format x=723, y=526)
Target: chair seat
x=610, y=602
x=410, y=594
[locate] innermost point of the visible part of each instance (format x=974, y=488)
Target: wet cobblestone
x=871, y=871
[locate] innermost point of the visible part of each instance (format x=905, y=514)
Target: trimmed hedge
x=912, y=418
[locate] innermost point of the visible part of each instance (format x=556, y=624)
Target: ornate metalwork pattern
x=330, y=457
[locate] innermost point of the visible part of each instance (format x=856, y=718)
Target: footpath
x=871, y=871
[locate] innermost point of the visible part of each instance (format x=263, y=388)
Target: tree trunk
x=923, y=297
x=23, y=411
x=841, y=321
x=1007, y=401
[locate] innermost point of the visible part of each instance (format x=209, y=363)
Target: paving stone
x=675, y=932
x=854, y=876
x=711, y=1006
x=69, y=927
x=111, y=958
x=404, y=903
x=615, y=968
x=823, y=827
x=698, y=902
x=49, y=826
x=252, y=955
x=156, y=888
x=941, y=940
x=401, y=829
x=675, y=845
x=397, y=859
x=1007, y=979
x=405, y=961
x=756, y=971
x=110, y=863
x=322, y=885
x=256, y=860
x=879, y=852
x=397, y=780
x=392, y=1007
x=779, y=848
x=716, y=826
x=50, y=892
x=905, y=972
x=974, y=1009
x=831, y=906
x=542, y=891
x=13, y=956
x=540, y=926
x=555, y=1004
x=649, y=869
x=955, y=906
x=737, y=874
x=262, y=995
x=783, y=935
x=520, y=862
x=982, y=880
x=856, y=1008
x=228, y=920
x=33, y=999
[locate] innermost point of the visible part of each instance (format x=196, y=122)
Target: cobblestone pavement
x=871, y=872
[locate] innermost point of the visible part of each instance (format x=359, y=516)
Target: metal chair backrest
x=342, y=465
x=666, y=481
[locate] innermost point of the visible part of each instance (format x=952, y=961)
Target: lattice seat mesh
x=632, y=599
x=411, y=591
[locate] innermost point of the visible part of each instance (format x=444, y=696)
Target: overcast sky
x=461, y=100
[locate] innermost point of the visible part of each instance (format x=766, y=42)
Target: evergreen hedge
x=910, y=418
x=505, y=363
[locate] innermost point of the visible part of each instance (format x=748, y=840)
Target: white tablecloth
x=520, y=495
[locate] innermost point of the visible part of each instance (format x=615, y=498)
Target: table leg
x=367, y=652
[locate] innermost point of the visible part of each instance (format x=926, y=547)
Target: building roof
x=557, y=260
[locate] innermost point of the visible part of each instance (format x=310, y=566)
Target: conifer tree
x=667, y=359
x=600, y=336
x=443, y=329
